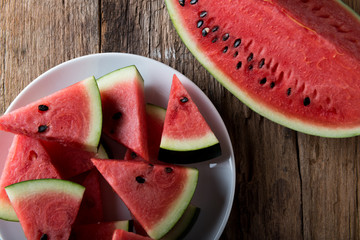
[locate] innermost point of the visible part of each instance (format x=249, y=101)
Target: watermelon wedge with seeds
x=46, y=208
x=71, y=116
x=27, y=159
x=186, y=137
x=122, y=96
x=156, y=194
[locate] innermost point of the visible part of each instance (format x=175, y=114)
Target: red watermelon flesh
x=155, y=117
x=27, y=159
x=294, y=62
x=156, y=195
x=122, y=96
x=71, y=161
x=186, y=136
x=91, y=208
x=71, y=116
x=46, y=207
x=124, y=235
x=97, y=231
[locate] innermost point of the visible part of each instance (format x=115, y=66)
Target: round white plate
x=215, y=191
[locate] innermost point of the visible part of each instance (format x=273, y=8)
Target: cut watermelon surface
x=294, y=62
x=98, y=231
x=157, y=195
x=46, y=208
x=76, y=122
x=122, y=96
x=186, y=137
x=124, y=235
x=27, y=159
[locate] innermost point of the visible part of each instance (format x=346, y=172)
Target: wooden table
x=289, y=185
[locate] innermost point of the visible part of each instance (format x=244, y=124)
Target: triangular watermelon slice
x=71, y=116
x=120, y=234
x=123, y=102
x=46, y=207
x=186, y=137
x=155, y=117
x=27, y=159
x=98, y=231
x=156, y=194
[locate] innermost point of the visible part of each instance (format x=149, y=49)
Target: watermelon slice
x=71, y=161
x=98, y=231
x=294, y=62
x=157, y=195
x=155, y=117
x=71, y=116
x=46, y=207
x=27, y=159
x=120, y=234
x=122, y=96
x=186, y=137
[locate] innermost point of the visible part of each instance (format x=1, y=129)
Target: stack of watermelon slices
x=56, y=159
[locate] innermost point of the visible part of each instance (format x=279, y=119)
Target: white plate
x=216, y=186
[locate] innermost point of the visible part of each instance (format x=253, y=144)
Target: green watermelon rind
x=189, y=144
x=155, y=111
x=95, y=124
x=26, y=189
x=7, y=212
x=178, y=207
x=262, y=109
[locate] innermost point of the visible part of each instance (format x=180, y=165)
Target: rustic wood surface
x=289, y=185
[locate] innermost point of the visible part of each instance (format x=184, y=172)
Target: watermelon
x=98, y=231
x=155, y=117
x=156, y=195
x=120, y=234
x=46, y=207
x=70, y=161
x=295, y=62
x=71, y=116
x=123, y=103
x=186, y=137
x=27, y=159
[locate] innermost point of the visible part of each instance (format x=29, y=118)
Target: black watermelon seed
x=42, y=128
x=261, y=63
x=44, y=237
x=205, y=31
x=43, y=108
x=117, y=116
x=151, y=165
x=272, y=84
x=306, y=101
x=192, y=2
x=250, y=57
x=133, y=155
x=215, y=29
x=225, y=37
x=184, y=99
x=236, y=53
x=214, y=40
x=168, y=169
x=200, y=23
x=182, y=2
x=288, y=92
x=140, y=179
x=203, y=14
x=237, y=42
x=225, y=49
x=250, y=67
x=263, y=81
x=238, y=65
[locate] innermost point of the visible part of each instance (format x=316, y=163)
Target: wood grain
x=289, y=185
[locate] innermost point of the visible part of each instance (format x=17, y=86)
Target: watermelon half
x=186, y=136
x=123, y=103
x=294, y=62
x=71, y=116
x=27, y=159
x=46, y=208
x=156, y=195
